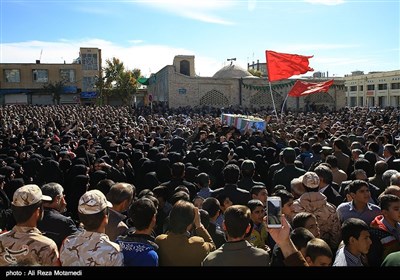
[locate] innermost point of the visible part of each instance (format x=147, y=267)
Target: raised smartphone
x=274, y=212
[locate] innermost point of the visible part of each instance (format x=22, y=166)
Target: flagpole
x=283, y=104
x=273, y=101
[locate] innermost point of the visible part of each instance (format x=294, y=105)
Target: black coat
x=56, y=226
x=333, y=196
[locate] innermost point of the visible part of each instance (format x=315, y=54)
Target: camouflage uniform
x=26, y=245
x=90, y=249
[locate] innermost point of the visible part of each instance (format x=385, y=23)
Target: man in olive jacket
x=239, y=252
x=178, y=247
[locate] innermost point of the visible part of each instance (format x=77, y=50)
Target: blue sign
x=11, y=90
x=88, y=94
x=70, y=89
x=182, y=91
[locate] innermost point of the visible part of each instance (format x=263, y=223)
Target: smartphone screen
x=274, y=210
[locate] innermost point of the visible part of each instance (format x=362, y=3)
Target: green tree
x=126, y=85
x=136, y=74
x=117, y=81
x=101, y=90
x=55, y=89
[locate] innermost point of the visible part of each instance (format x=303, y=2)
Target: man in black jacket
x=6, y=217
x=327, y=186
x=54, y=224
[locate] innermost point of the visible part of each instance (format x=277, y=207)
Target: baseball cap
x=310, y=180
x=28, y=195
x=248, y=164
x=93, y=202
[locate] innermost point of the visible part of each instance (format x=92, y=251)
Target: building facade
x=178, y=85
x=375, y=89
x=24, y=83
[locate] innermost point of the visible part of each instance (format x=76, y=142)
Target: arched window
x=185, y=67
x=214, y=98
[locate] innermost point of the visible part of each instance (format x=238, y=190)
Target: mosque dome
x=232, y=71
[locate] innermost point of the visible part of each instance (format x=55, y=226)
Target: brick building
x=24, y=83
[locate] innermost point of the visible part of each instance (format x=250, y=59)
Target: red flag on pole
x=283, y=65
x=302, y=88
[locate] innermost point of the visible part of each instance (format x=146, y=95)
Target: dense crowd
x=152, y=186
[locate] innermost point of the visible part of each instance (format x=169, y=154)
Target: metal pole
x=273, y=102
x=240, y=91
x=283, y=104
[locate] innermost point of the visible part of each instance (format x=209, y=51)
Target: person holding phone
x=274, y=213
x=274, y=207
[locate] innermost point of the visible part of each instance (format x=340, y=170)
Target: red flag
x=283, y=65
x=302, y=88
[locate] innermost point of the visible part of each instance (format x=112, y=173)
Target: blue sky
x=343, y=35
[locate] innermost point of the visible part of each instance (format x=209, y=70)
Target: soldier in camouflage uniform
x=25, y=244
x=92, y=247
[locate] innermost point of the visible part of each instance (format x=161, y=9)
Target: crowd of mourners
x=125, y=186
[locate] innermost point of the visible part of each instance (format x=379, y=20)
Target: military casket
x=243, y=122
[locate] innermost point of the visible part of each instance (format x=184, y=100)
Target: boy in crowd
x=307, y=221
x=259, y=192
x=385, y=230
x=359, y=207
x=138, y=245
x=318, y=253
x=259, y=235
x=357, y=242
